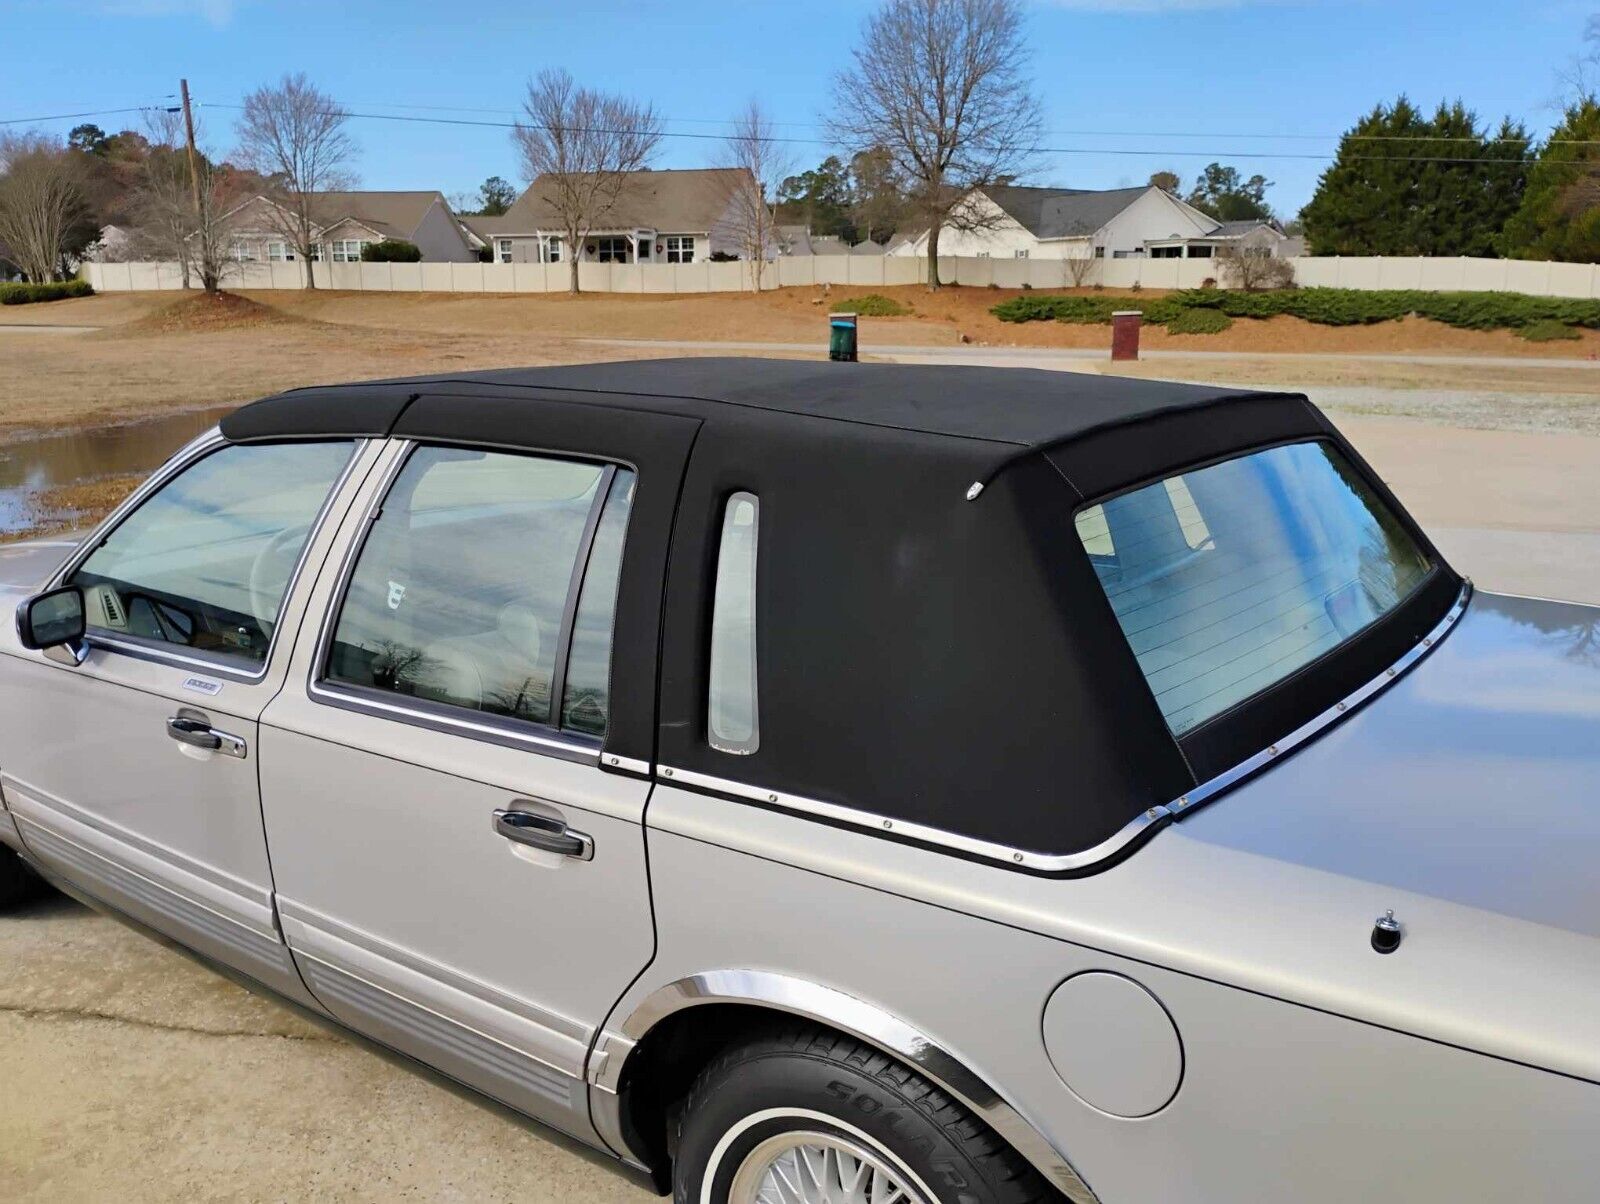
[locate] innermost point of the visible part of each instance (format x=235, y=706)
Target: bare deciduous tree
x=1254, y=268
x=756, y=155
x=582, y=144
x=171, y=223
x=939, y=84
x=1078, y=269
x=42, y=193
x=294, y=135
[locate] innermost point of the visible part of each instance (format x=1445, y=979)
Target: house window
x=611, y=249
x=1021, y=253
x=983, y=254
x=1099, y=252
x=550, y=248
x=348, y=250
x=242, y=252
x=1166, y=252
x=280, y=252
x=316, y=252
x=502, y=250
x=680, y=248
x=1202, y=252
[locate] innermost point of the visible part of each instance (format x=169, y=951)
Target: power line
x=1140, y=152
x=1044, y=150
x=70, y=116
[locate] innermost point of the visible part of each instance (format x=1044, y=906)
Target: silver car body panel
x=413, y=920
x=102, y=796
x=1338, y=1107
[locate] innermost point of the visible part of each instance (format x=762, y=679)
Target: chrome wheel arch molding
x=865, y=1021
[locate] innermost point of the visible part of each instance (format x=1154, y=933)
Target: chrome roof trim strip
x=1140, y=825
x=1207, y=791
x=1049, y=863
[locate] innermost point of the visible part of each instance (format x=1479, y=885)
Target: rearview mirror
x=51, y=619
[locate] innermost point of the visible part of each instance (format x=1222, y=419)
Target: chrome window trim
x=625, y=764
x=356, y=699
x=1139, y=826
x=861, y=1019
x=516, y=733
x=187, y=456
x=921, y=833
x=1208, y=791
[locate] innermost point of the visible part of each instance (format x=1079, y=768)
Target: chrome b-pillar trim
x=860, y=1019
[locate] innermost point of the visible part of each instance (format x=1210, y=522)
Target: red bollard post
x=1125, y=325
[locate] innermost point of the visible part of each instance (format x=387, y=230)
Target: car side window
x=205, y=561
x=459, y=595
x=733, y=722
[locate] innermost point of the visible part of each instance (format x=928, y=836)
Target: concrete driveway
x=128, y=1074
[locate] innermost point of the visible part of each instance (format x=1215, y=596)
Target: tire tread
x=1013, y=1178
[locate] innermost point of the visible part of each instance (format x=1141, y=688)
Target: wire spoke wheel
x=800, y=1167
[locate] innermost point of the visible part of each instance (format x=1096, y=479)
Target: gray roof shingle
x=1062, y=212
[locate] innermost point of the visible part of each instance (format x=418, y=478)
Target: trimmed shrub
x=1078, y=309
x=55, y=290
x=1546, y=330
x=1323, y=306
x=1199, y=321
x=873, y=305
x=391, y=250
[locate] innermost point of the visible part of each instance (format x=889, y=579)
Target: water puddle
x=30, y=468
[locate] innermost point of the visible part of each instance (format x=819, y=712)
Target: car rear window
x=1230, y=578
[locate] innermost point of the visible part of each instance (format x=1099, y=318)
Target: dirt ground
x=144, y=359
x=942, y=318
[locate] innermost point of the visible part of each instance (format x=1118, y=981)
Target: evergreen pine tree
x=1559, y=217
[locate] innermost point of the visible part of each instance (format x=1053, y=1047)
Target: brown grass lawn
x=155, y=351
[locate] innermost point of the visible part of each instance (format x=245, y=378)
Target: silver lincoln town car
x=849, y=783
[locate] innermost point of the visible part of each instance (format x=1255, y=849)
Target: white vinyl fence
x=1470, y=275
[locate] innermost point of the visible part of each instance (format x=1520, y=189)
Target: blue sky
x=1192, y=80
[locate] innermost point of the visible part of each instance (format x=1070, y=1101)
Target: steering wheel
x=269, y=573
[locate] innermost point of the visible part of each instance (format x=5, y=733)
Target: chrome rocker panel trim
x=1090, y=858
x=837, y=1010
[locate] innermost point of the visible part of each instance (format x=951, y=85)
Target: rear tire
x=18, y=883
x=807, y=1105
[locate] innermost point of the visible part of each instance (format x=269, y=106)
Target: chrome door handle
x=543, y=832
x=197, y=733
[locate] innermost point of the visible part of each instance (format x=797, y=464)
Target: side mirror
x=52, y=619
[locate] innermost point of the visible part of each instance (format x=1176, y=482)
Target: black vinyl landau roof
x=1027, y=408
x=928, y=652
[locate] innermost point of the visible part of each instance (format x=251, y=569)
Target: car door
x=454, y=789
x=132, y=775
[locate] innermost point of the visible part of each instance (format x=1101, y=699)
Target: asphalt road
x=128, y=1074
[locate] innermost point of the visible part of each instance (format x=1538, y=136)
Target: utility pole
x=188, y=129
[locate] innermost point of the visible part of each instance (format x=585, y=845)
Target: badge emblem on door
x=397, y=595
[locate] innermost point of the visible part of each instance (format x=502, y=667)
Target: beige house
x=1017, y=222
x=673, y=216
x=348, y=221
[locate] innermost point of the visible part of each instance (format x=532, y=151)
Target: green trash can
x=842, y=338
